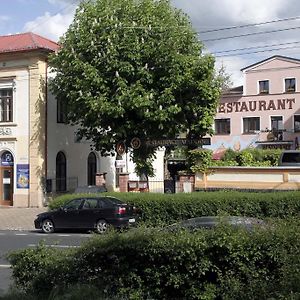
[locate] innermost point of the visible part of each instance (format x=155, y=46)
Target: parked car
x=90, y=189
x=213, y=221
x=289, y=158
x=95, y=213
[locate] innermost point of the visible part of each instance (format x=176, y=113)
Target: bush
x=161, y=209
x=201, y=159
x=224, y=263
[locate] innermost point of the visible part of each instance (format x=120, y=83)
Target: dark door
x=68, y=216
x=6, y=186
x=90, y=213
x=92, y=167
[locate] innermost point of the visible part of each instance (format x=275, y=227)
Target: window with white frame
x=222, y=126
x=6, y=104
x=296, y=123
x=290, y=85
x=276, y=123
x=263, y=86
x=251, y=124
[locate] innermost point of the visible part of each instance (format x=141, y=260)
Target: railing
x=61, y=185
x=167, y=186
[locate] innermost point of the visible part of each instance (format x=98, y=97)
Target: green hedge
x=224, y=263
x=201, y=159
x=160, y=209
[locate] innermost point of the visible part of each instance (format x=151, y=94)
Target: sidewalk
x=14, y=218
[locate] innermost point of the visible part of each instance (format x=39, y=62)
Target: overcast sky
x=51, y=18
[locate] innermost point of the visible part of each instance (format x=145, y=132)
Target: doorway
x=6, y=179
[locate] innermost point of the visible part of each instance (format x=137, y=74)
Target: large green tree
x=134, y=68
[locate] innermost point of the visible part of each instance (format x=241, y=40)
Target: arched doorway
x=91, y=169
x=6, y=178
x=61, y=172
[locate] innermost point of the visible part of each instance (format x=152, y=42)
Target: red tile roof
x=26, y=42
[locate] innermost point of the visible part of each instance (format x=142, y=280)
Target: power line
x=258, y=51
x=255, y=47
x=249, y=34
x=49, y=17
x=249, y=25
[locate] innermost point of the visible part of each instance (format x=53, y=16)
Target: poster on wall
x=23, y=176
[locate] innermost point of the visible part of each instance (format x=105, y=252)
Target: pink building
x=265, y=111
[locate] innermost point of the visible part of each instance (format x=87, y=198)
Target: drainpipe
x=46, y=121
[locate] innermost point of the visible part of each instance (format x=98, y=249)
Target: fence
x=179, y=185
x=61, y=185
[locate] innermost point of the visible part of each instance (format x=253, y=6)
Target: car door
x=68, y=215
x=89, y=213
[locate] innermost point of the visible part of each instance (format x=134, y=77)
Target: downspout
x=46, y=124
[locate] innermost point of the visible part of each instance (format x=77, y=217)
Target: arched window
x=7, y=159
x=61, y=172
x=92, y=169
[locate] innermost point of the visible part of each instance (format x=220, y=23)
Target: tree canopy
x=134, y=68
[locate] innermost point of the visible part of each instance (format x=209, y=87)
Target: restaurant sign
x=256, y=105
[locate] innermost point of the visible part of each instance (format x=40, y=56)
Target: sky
x=261, y=28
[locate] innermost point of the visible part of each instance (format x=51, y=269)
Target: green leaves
x=224, y=263
x=134, y=69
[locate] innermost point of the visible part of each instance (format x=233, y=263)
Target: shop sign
x=259, y=105
x=178, y=142
x=23, y=176
x=7, y=159
x=121, y=148
x=120, y=163
x=136, y=142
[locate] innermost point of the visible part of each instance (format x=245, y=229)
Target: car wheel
x=102, y=226
x=47, y=226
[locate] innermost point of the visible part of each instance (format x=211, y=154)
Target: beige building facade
x=40, y=154
x=265, y=111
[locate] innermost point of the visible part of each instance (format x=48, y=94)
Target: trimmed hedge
x=224, y=263
x=161, y=209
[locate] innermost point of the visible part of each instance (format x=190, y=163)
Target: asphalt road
x=14, y=240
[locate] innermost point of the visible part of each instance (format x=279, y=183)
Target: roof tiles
x=26, y=42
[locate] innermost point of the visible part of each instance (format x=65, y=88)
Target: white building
x=38, y=151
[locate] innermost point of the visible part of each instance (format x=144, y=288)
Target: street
x=14, y=240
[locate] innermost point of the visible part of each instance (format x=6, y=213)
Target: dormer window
x=290, y=85
x=264, y=86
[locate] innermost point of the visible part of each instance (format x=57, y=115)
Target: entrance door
x=6, y=185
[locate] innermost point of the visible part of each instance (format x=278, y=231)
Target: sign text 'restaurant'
x=260, y=105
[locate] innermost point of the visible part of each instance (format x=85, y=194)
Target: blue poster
x=23, y=176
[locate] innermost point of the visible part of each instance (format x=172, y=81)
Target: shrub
x=201, y=159
x=224, y=263
x=161, y=209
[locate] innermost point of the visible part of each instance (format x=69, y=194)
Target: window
x=90, y=203
x=222, y=126
x=276, y=123
x=296, y=123
x=277, y=127
x=251, y=124
x=61, y=111
x=61, y=172
x=264, y=87
x=74, y=204
x=290, y=85
x=6, y=105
